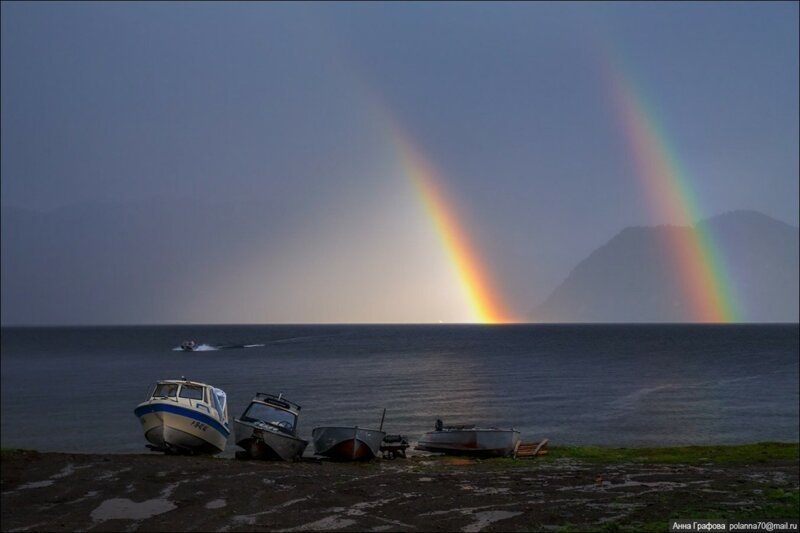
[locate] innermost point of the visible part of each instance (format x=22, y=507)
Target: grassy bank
x=738, y=454
x=692, y=455
x=722, y=454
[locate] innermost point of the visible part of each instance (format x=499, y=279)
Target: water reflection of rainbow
x=484, y=297
x=696, y=259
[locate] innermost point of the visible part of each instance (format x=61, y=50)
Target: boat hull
x=175, y=428
x=487, y=442
x=264, y=442
x=347, y=443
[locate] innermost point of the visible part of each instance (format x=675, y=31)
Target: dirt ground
x=56, y=492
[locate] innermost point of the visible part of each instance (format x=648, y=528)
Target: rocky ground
x=56, y=492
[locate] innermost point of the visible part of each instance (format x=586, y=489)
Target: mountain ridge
x=630, y=279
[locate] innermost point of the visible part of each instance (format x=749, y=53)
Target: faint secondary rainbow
x=666, y=183
x=485, y=299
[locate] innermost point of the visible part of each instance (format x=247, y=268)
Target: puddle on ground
x=358, y=508
x=36, y=484
x=485, y=518
x=216, y=504
x=491, y=490
x=89, y=494
x=484, y=490
x=125, y=509
x=250, y=519
x=327, y=523
x=66, y=471
x=109, y=474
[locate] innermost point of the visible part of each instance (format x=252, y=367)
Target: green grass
x=7, y=453
x=764, y=452
x=743, y=454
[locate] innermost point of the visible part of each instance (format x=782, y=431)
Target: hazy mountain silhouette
x=633, y=277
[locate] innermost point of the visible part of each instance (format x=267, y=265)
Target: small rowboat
x=470, y=440
x=348, y=443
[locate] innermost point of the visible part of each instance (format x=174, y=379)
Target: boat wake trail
x=216, y=347
x=199, y=348
x=306, y=338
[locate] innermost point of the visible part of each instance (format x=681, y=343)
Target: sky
x=366, y=162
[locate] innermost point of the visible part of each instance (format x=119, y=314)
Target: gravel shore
x=58, y=491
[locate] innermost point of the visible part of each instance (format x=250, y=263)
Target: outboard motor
x=439, y=424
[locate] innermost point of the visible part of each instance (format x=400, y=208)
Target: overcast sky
x=230, y=163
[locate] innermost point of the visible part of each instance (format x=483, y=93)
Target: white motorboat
x=188, y=346
x=268, y=429
x=469, y=440
x=182, y=416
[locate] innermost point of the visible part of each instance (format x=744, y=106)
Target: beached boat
x=268, y=429
x=469, y=440
x=347, y=443
x=182, y=416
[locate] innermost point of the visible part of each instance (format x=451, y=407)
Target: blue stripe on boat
x=183, y=411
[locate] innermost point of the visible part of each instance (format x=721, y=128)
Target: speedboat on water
x=347, y=443
x=268, y=429
x=469, y=440
x=182, y=416
x=188, y=346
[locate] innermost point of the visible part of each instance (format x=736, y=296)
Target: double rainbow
x=697, y=260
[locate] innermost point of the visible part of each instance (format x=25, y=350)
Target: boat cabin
x=273, y=410
x=199, y=396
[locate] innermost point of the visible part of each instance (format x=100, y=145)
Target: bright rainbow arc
x=484, y=299
x=666, y=182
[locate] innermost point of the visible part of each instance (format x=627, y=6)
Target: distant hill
x=632, y=278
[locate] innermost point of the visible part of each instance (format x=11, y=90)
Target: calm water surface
x=74, y=389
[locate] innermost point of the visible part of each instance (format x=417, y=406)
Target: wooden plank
x=540, y=446
x=531, y=449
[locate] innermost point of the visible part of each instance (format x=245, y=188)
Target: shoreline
x=571, y=488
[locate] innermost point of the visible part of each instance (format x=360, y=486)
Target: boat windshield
x=165, y=390
x=268, y=413
x=192, y=392
x=220, y=401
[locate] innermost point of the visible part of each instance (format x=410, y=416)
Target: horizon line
x=395, y=324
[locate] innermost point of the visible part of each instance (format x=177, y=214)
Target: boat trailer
x=394, y=446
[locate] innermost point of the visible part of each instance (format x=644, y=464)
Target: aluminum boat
x=268, y=429
x=469, y=440
x=348, y=443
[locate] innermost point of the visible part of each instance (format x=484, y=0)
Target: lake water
x=74, y=389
